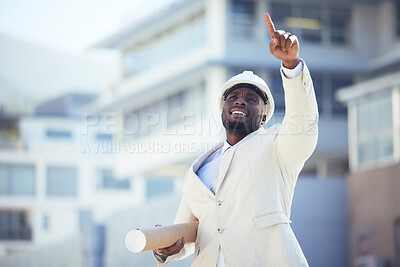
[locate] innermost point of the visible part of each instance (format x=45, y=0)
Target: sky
x=65, y=29
x=70, y=25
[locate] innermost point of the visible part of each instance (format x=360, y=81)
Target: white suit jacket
x=249, y=215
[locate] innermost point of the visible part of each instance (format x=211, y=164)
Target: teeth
x=239, y=112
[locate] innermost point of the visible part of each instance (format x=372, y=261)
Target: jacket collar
x=227, y=157
x=197, y=163
x=225, y=161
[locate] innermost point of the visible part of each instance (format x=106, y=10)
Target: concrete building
x=374, y=144
x=56, y=172
x=175, y=61
x=173, y=64
x=164, y=113
x=373, y=183
x=57, y=181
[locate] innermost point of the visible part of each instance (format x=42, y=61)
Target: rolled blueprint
x=160, y=237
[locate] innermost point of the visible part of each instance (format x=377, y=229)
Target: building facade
x=373, y=182
x=174, y=62
x=57, y=182
x=163, y=113
x=374, y=143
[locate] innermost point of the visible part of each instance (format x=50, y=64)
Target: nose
x=241, y=101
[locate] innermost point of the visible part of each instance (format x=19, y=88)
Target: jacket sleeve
x=183, y=215
x=297, y=137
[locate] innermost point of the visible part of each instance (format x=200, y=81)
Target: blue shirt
x=209, y=169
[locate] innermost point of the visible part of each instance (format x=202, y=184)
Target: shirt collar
x=226, y=146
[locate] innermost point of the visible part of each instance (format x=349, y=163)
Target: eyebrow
x=236, y=92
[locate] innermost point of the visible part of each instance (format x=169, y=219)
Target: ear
x=263, y=120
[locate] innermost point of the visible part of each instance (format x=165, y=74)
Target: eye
x=231, y=97
x=252, y=100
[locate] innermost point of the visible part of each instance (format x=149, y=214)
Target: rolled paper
x=160, y=237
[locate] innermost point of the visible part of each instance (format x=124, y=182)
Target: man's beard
x=241, y=127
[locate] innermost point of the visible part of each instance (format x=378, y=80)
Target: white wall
x=63, y=212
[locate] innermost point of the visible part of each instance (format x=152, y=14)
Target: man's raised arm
x=297, y=137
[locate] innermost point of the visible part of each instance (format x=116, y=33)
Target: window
x=18, y=180
x=166, y=45
x=199, y=93
x=9, y=131
x=104, y=137
x=142, y=121
x=310, y=23
x=45, y=222
x=375, y=130
x=397, y=239
x=58, y=134
x=339, y=108
x=325, y=86
x=107, y=180
x=339, y=24
x=176, y=103
x=61, y=181
x=314, y=23
x=85, y=219
x=277, y=92
x=159, y=186
x=14, y=225
x=318, y=82
x=397, y=17
x=242, y=18
x=131, y=124
x=158, y=116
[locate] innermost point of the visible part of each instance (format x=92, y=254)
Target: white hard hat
x=249, y=78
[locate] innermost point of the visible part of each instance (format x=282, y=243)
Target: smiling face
x=243, y=112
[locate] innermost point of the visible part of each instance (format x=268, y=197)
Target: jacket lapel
x=196, y=165
x=225, y=163
x=228, y=155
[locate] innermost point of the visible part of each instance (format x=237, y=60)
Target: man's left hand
x=283, y=45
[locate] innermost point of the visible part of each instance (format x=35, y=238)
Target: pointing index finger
x=270, y=25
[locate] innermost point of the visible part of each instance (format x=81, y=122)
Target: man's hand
x=162, y=253
x=283, y=45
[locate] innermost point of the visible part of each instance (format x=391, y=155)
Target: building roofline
x=368, y=87
x=120, y=38
x=125, y=98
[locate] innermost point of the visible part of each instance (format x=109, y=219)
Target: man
x=241, y=191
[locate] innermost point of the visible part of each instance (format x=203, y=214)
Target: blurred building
x=174, y=62
x=374, y=148
x=373, y=183
x=57, y=181
x=56, y=165
x=163, y=113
